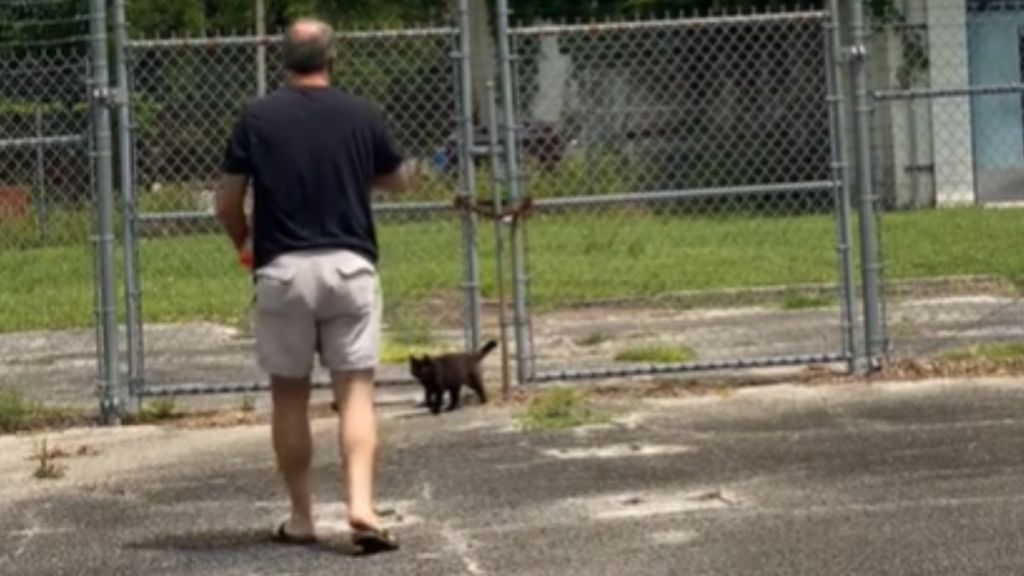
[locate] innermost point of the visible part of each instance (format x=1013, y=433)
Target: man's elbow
x=229, y=199
x=401, y=180
x=223, y=213
x=393, y=183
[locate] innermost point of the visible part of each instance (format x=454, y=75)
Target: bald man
x=313, y=154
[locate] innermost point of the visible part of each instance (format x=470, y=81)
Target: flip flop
x=374, y=540
x=282, y=536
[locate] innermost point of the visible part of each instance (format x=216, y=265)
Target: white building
x=951, y=147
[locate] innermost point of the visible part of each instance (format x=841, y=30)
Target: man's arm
x=401, y=179
x=393, y=173
x=231, y=208
x=236, y=168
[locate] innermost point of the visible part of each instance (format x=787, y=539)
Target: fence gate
x=48, y=293
x=195, y=297
x=688, y=207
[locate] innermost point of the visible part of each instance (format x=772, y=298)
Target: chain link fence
x=948, y=79
x=687, y=214
x=186, y=95
x=47, y=218
x=691, y=183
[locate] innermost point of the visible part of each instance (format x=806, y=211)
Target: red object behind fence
x=14, y=202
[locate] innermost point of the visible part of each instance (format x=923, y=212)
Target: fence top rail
x=667, y=23
x=252, y=40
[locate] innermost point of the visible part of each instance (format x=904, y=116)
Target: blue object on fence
x=440, y=160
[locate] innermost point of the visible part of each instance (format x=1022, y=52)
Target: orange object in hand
x=245, y=258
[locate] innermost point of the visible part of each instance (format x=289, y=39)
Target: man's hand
x=405, y=177
x=246, y=259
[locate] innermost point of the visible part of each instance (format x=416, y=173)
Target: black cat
x=448, y=373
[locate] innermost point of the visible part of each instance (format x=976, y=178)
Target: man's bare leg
x=357, y=435
x=293, y=445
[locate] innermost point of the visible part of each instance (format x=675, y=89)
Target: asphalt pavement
x=909, y=478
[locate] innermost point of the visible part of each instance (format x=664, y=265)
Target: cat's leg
x=476, y=382
x=456, y=393
x=436, y=398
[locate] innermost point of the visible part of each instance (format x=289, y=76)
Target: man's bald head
x=308, y=47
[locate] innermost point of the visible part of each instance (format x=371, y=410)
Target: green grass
x=794, y=302
x=394, y=352
x=573, y=258
x=14, y=411
x=155, y=411
x=656, y=354
x=160, y=409
x=18, y=414
x=558, y=410
x=986, y=352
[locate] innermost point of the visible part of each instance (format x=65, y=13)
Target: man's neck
x=311, y=81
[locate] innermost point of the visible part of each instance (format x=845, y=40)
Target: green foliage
x=986, y=352
x=14, y=411
x=159, y=410
x=56, y=227
x=168, y=199
x=560, y=409
x=18, y=414
x=25, y=21
x=166, y=17
x=529, y=10
x=410, y=328
x=656, y=354
x=34, y=22
x=586, y=174
x=914, y=42
x=798, y=301
x=181, y=17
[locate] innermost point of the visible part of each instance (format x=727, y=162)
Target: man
x=313, y=154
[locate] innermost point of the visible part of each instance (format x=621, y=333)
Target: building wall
x=953, y=155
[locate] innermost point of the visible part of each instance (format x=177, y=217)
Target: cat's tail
x=487, y=349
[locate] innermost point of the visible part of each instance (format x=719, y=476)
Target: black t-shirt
x=312, y=155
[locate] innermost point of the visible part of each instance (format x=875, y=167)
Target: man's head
x=309, y=48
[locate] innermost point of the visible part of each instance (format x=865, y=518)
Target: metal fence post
x=40, y=193
x=841, y=176
x=260, y=16
x=125, y=139
x=467, y=176
x=499, y=241
x=523, y=354
x=857, y=52
x=100, y=97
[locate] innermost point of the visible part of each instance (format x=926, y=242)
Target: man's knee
x=287, y=390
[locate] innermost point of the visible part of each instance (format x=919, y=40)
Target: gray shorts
x=327, y=302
